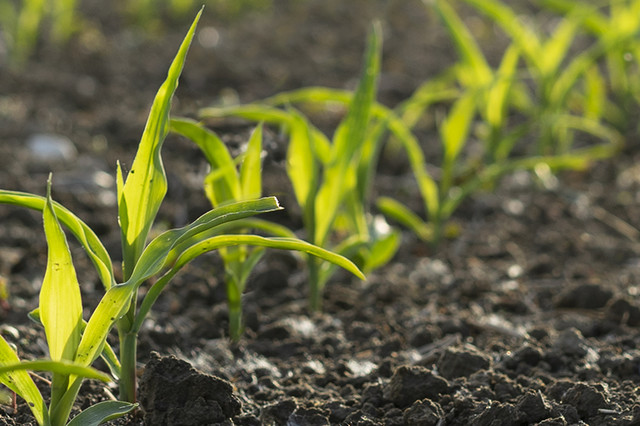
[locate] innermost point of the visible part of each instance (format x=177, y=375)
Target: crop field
x=319, y=212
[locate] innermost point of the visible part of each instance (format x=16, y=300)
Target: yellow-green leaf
x=146, y=183
x=60, y=300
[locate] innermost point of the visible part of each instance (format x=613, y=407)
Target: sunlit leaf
x=21, y=383
x=146, y=184
x=251, y=167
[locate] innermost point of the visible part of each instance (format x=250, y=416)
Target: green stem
x=234, y=301
x=128, y=358
x=315, y=290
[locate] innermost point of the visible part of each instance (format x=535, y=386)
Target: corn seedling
x=331, y=178
x=556, y=110
x=74, y=345
x=619, y=29
x=487, y=98
x=226, y=184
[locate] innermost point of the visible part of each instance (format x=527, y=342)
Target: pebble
x=49, y=147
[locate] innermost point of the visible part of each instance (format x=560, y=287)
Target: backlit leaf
x=146, y=183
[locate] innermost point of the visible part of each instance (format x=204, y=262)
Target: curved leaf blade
x=280, y=243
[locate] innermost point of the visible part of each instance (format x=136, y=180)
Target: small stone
x=47, y=147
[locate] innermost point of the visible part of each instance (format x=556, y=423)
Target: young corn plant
x=60, y=312
x=487, y=99
x=556, y=113
x=332, y=178
x=223, y=185
x=77, y=344
x=620, y=29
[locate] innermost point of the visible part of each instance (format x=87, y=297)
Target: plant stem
x=128, y=347
x=234, y=301
x=315, y=290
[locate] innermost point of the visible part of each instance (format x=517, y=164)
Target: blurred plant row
x=24, y=22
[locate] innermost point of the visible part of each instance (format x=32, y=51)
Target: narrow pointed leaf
x=507, y=19
x=466, y=45
x=348, y=140
x=146, y=183
x=60, y=301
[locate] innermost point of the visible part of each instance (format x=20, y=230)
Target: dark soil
x=529, y=316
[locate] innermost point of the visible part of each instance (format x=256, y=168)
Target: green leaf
x=455, y=133
x=280, y=243
x=89, y=240
x=594, y=21
x=478, y=71
x=102, y=412
x=438, y=89
x=595, y=94
x=108, y=355
x=60, y=300
x=146, y=183
x=522, y=35
x=251, y=167
x=556, y=47
x=426, y=184
x=382, y=251
x=498, y=96
x=63, y=367
x=349, y=137
x=455, y=128
x=21, y=383
x=302, y=166
x=165, y=247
